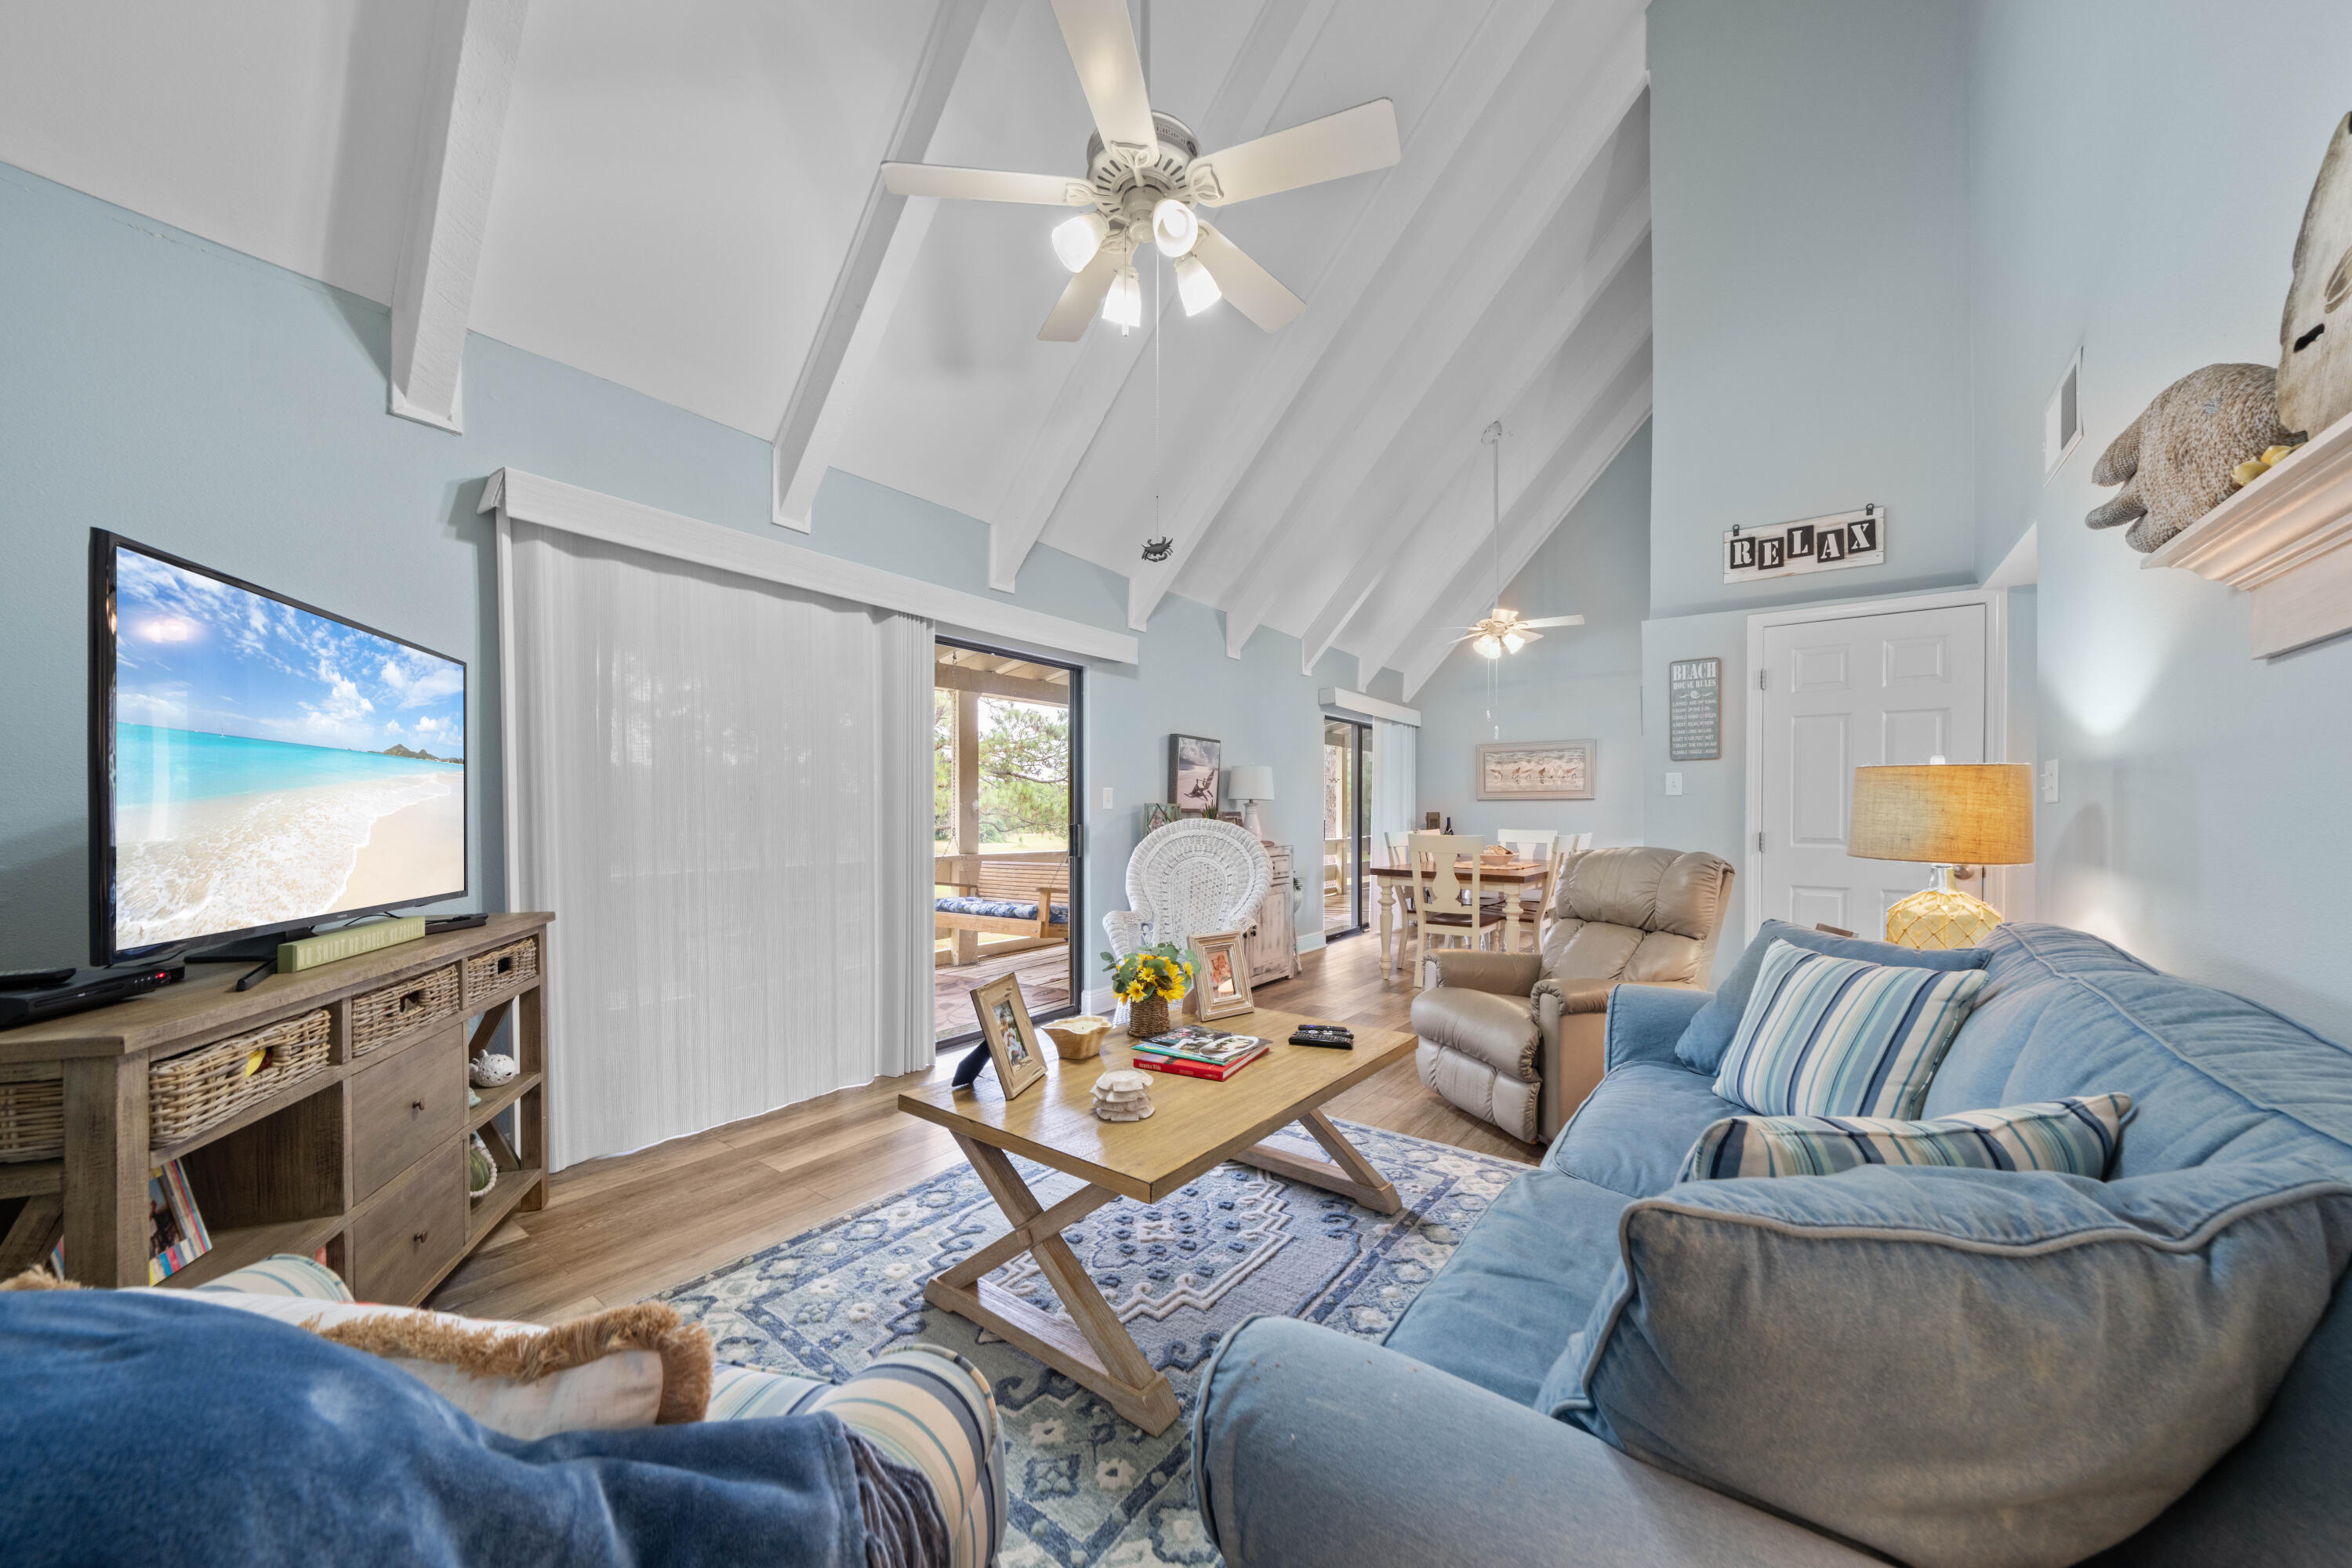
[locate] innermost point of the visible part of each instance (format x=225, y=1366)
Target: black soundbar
x=99, y=988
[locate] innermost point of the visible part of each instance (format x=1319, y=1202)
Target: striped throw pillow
x=2075, y=1137
x=1837, y=1036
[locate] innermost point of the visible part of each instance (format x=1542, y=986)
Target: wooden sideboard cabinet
x=1272, y=945
x=348, y=1135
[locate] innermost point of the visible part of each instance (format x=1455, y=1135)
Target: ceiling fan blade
x=1351, y=141
x=1556, y=621
x=1102, y=46
x=1251, y=288
x=985, y=185
x=1082, y=301
x=1526, y=636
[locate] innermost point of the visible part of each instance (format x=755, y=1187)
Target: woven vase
x=1146, y=1018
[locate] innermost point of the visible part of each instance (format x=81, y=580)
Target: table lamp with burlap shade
x=1947, y=815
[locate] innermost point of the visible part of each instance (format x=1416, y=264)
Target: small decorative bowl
x=1078, y=1039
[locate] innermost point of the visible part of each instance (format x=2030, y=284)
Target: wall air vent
x=2062, y=422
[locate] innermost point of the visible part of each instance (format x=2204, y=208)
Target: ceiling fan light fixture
x=1077, y=241
x=1488, y=646
x=1123, y=306
x=1173, y=227
x=1513, y=642
x=1194, y=286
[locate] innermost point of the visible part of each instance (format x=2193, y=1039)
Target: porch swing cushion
x=1000, y=909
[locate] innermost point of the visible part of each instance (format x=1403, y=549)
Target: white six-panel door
x=1901, y=686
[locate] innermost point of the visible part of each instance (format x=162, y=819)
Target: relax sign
x=1808, y=544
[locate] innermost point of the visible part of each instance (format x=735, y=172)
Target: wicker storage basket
x=379, y=1016
x=186, y=1094
x=502, y=966
x=33, y=1120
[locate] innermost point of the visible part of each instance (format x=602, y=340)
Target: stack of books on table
x=1192, y=1051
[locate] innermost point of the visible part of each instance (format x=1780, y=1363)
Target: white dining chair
x=1407, y=923
x=1451, y=910
x=1555, y=849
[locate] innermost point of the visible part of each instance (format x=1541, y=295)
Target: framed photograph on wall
x=1195, y=770
x=1536, y=770
x=1223, y=989
x=1012, y=1038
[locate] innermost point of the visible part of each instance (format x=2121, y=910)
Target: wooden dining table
x=1511, y=877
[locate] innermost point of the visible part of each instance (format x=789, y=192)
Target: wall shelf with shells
x=2286, y=539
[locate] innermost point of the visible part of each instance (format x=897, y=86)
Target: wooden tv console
x=363, y=1156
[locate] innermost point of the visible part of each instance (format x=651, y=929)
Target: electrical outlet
x=2049, y=781
x=1105, y=806
x=1674, y=783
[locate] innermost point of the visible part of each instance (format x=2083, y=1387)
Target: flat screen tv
x=258, y=765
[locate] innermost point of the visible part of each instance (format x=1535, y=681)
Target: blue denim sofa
x=1312, y=1448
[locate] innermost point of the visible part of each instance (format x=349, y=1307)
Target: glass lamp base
x=1940, y=919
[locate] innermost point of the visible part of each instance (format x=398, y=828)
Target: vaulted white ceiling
x=683, y=198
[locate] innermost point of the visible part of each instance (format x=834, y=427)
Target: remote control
x=1308, y=1035
x=36, y=979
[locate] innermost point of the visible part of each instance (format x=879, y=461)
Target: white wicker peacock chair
x=1187, y=878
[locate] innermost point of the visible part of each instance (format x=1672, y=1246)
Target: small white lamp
x=1251, y=786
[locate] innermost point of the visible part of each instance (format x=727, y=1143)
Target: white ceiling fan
x=1145, y=176
x=1503, y=631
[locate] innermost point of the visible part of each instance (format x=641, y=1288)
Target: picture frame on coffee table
x=1013, y=1042
x=1223, y=988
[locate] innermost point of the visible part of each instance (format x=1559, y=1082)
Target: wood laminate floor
x=619, y=1229
x=1045, y=986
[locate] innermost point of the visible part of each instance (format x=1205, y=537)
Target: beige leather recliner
x=1516, y=1037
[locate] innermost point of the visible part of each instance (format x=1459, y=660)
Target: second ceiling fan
x=1146, y=177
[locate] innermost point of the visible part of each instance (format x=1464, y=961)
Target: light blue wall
x=1711, y=812
x=232, y=412
x=1809, y=196
x=1578, y=682
x=2140, y=171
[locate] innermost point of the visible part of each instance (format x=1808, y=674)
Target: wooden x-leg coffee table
x=1195, y=1125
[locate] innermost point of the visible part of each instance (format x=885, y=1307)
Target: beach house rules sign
x=1808, y=544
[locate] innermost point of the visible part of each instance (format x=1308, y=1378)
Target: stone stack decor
x=1123, y=1094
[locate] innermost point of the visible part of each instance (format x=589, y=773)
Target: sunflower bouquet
x=1148, y=980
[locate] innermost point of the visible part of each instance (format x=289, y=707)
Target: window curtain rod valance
x=1363, y=707
x=552, y=503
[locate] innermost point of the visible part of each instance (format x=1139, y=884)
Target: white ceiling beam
x=1429, y=145
x=1587, y=461
x=1320, y=498
x=1269, y=59
x=1547, y=437
x=1382, y=545
x=475, y=45
x=882, y=251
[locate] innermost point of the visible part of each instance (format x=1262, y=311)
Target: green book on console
x=348, y=943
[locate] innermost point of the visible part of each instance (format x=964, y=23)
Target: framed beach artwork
x=1223, y=989
x=1195, y=766
x=1012, y=1038
x=1536, y=770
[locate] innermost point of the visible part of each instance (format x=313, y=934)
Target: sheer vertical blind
x=721, y=786
x=1396, y=792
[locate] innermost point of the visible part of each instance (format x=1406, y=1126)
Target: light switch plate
x=1105, y=806
x=2049, y=781
x=1674, y=783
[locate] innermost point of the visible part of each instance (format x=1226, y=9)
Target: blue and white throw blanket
x=145, y=1429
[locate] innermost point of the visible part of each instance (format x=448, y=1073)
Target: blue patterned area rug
x=1088, y=1490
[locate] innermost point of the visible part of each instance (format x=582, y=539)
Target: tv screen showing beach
x=273, y=765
